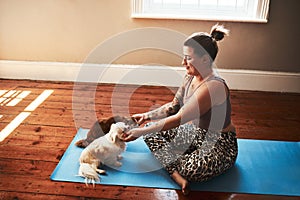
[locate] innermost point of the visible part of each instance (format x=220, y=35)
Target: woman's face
x=191, y=61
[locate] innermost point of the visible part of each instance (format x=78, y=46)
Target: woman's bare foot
x=184, y=184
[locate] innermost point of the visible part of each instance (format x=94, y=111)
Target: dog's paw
x=119, y=157
x=82, y=143
x=118, y=164
x=101, y=171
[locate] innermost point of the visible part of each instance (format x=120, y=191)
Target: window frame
x=260, y=12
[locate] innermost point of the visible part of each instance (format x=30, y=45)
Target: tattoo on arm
x=165, y=110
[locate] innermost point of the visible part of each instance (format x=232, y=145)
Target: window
x=221, y=10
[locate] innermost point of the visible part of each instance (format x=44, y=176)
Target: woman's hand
x=133, y=134
x=139, y=118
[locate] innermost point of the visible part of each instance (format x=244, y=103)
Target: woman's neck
x=204, y=74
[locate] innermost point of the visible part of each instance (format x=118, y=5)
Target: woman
x=193, y=136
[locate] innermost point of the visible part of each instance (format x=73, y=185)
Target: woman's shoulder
x=217, y=81
x=217, y=77
x=218, y=88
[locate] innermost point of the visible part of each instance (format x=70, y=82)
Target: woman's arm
x=201, y=101
x=166, y=110
x=186, y=113
x=163, y=124
x=159, y=113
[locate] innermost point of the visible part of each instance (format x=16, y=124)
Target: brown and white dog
x=101, y=127
x=105, y=150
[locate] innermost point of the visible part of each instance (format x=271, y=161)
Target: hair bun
x=218, y=32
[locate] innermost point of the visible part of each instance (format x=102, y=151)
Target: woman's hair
x=203, y=43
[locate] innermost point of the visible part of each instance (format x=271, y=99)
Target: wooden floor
x=30, y=153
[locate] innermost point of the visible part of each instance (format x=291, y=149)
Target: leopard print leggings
x=197, y=154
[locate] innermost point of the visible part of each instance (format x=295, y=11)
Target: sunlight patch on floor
x=40, y=99
x=13, y=125
x=12, y=98
x=18, y=98
x=7, y=97
x=2, y=92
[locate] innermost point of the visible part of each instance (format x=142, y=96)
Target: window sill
x=200, y=18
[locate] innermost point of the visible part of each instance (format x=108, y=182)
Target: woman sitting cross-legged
x=193, y=136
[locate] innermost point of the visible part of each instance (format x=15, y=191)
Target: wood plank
x=44, y=186
x=17, y=152
x=32, y=196
x=21, y=167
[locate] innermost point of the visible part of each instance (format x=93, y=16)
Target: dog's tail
x=89, y=172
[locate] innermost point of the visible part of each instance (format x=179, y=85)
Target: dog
x=101, y=127
x=103, y=150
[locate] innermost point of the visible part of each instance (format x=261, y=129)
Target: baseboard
x=144, y=75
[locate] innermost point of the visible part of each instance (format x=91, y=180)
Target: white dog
x=104, y=150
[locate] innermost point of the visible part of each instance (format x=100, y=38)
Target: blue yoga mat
x=262, y=167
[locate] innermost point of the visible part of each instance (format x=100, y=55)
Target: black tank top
x=219, y=116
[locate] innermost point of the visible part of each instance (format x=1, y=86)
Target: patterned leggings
x=197, y=154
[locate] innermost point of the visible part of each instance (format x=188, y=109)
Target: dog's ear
x=106, y=124
x=113, y=137
x=113, y=133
